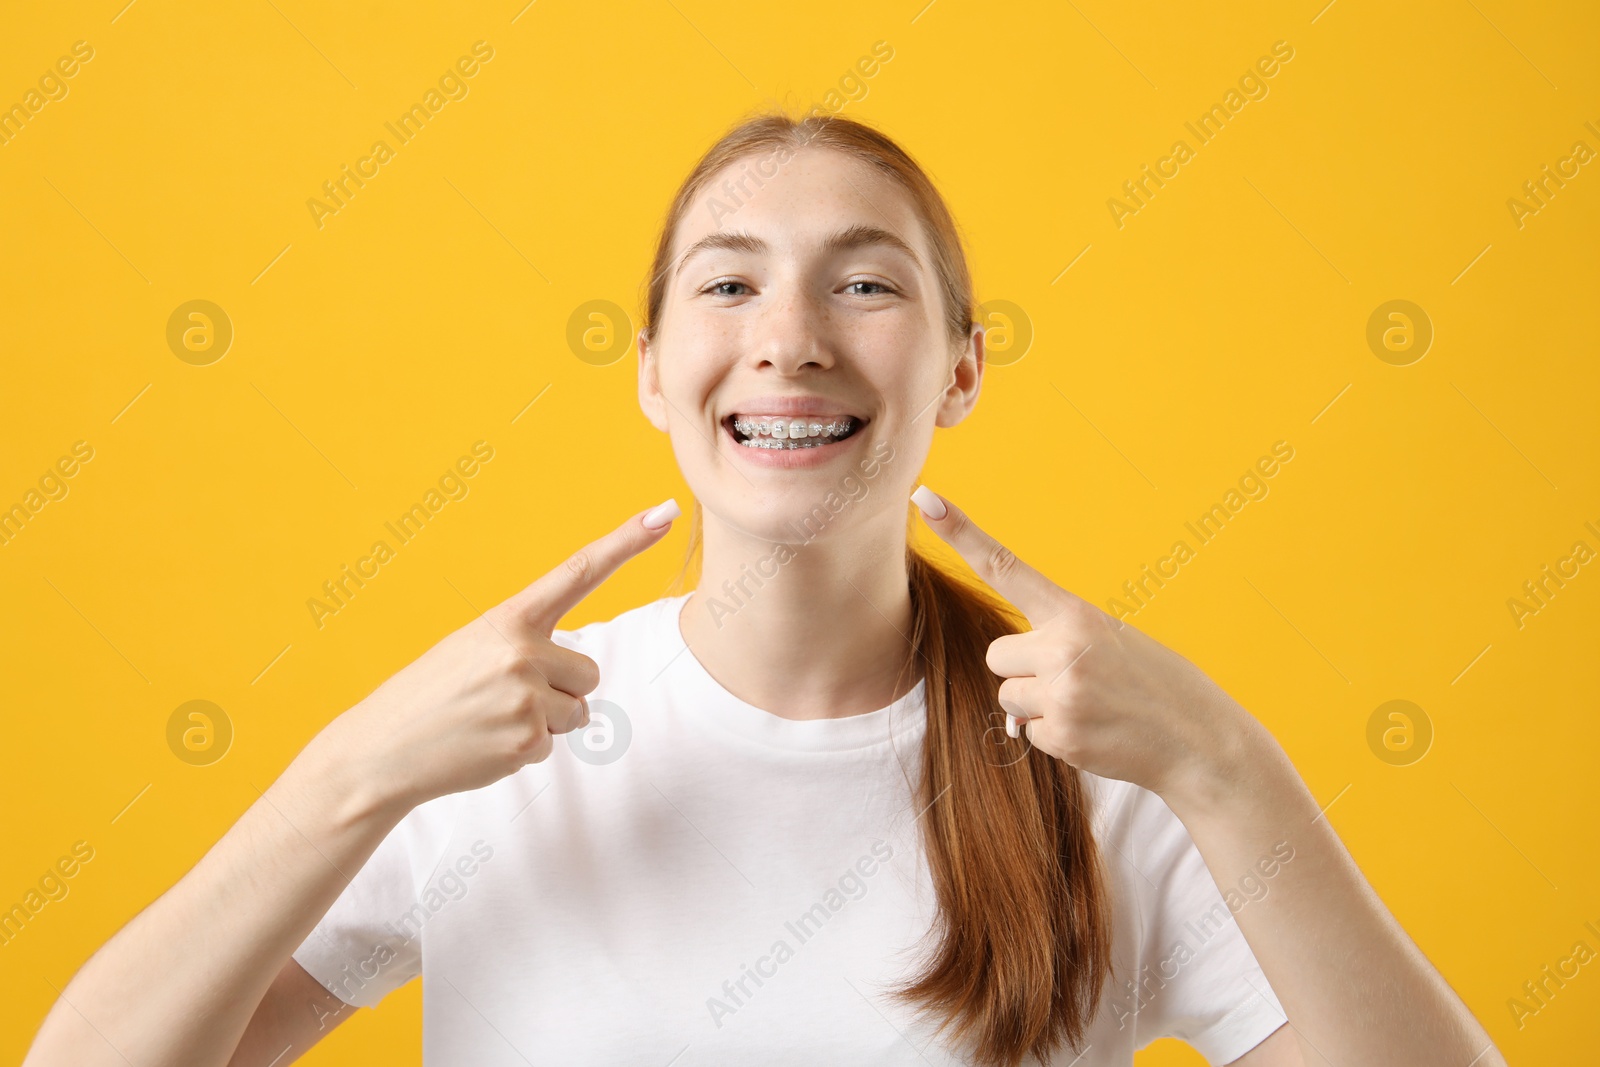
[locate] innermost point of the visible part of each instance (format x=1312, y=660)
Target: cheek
x=693, y=448
x=686, y=374
x=908, y=388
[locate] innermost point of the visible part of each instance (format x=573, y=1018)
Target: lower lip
x=791, y=458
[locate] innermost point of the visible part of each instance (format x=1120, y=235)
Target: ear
x=966, y=378
x=651, y=401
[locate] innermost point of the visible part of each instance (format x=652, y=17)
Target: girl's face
x=801, y=359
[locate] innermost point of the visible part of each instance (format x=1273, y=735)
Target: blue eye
x=878, y=285
x=715, y=286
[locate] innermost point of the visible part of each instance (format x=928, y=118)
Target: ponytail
x=1022, y=938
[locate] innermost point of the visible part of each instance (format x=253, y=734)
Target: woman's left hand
x=1094, y=691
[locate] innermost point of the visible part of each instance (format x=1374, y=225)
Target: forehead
x=797, y=205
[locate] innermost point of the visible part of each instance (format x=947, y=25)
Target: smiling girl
x=836, y=805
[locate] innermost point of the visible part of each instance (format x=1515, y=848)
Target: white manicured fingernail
x=1013, y=726
x=661, y=515
x=927, y=500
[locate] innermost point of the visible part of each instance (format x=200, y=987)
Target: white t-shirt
x=692, y=880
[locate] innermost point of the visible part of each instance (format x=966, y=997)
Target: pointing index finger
x=543, y=604
x=1036, y=596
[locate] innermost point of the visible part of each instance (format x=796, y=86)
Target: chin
x=801, y=504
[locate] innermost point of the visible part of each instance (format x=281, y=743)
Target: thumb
x=541, y=605
x=1036, y=596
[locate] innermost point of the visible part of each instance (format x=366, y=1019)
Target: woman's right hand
x=487, y=699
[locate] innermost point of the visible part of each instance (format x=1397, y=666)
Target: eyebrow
x=858, y=236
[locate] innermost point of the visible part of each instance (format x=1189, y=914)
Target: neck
x=810, y=629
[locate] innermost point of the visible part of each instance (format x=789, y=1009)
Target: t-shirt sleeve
x=1198, y=979
x=369, y=942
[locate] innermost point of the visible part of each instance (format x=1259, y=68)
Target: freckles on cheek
x=686, y=395
x=716, y=336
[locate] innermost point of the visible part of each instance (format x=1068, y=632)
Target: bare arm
x=181, y=980
x=1356, y=988
x=1280, y=1049
x=295, y=1014
x=181, y=983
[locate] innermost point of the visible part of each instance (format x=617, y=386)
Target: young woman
x=789, y=822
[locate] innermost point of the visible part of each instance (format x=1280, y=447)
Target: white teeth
x=797, y=429
x=790, y=433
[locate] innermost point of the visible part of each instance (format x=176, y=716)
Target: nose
x=792, y=333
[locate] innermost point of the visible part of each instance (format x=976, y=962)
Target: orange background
x=1228, y=313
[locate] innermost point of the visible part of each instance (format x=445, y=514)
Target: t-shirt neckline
x=711, y=702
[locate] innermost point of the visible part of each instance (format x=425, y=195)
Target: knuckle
x=1002, y=562
x=542, y=751
x=525, y=619
x=1082, y=615
x=530, y=728
x=565, y=715
x=532, y=739
x=580, y=565
x=526, y=706
x=510, y=659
